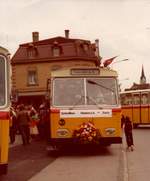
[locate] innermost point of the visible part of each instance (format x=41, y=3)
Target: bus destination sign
x=85, y=71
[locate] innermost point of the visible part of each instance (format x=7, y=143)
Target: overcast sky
x=122, y=27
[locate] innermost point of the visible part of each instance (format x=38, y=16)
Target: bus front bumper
x=69, y=141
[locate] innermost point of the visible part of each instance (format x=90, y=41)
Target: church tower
x=142, y=78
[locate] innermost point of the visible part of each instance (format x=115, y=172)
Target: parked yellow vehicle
x=84, y=106
x=4, y=108
x=136, y=105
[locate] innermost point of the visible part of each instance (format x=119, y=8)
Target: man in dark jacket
x=128, y=133
x=23, y=123
x=42, y=123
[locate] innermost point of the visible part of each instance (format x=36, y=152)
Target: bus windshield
x=2, y=81
x=102, y=91
x=84, y=91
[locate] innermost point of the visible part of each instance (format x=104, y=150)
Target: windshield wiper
x=95, y=103
x=88, y=97
x=76, y=103
x=95, y=83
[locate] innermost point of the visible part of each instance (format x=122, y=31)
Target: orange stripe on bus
x=116, y=110
x=144, y=106
x=54, y=110
x=4, y=115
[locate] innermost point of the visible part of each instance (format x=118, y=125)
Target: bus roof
x=3, y=51
x=84, y=71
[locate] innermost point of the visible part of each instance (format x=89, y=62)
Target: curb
x=125, y=162
x=125, y=167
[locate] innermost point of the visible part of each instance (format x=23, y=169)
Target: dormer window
x=31, y=51
x=56, y=51
x=86, y=47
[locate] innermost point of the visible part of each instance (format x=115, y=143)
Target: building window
x=86, y=47
x=32, y=51
x=32, y=77
x=56, y=51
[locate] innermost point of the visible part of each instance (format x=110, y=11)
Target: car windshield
x=84, y=91
x=2, y=81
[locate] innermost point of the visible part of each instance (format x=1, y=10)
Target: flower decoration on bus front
x=86, y=133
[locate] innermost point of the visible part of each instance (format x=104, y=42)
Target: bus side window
x=123, y=99
x=136, y=99
x=128, y=99
x=2, y=81
x=144, y=98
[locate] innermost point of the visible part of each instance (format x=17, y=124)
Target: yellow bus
x=4, y=108
x=136, y=105
x=84, y=107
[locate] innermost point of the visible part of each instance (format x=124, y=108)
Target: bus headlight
x=110, y=131
x=62, y=132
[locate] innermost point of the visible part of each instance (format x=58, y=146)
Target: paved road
x=32, y=163
x=86, y=165
x=26, y=161
x=75, y=164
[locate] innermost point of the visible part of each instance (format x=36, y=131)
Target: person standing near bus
x=122, y=120
x=13, y=125
x=128, y=133
x=23, y=123
x=42, y=127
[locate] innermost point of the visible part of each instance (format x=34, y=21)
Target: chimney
x=67, y=33
x=35, y=36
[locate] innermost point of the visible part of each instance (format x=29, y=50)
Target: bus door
x=136, y=108
x=144, y=108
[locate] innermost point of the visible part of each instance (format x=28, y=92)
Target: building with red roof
x=33, y=62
